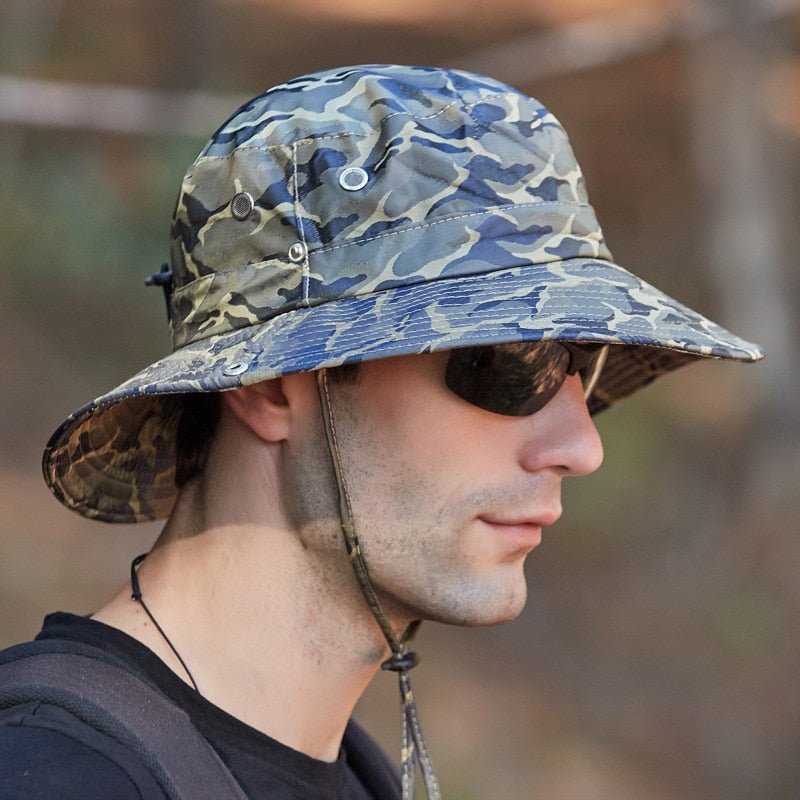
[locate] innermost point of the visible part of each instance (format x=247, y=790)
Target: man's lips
x=541, y=519
x=523, y=532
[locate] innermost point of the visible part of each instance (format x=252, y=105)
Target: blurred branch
x=116, y=109
x=604, y=40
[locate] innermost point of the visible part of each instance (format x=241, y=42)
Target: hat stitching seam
x=467, y=107
x=300, y=227
x=421, y=225
x=268, y=148
x=471, y=107
x=389, y=347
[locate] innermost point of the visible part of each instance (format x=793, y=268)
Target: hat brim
x=113, y=459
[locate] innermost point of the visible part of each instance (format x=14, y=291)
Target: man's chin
x=487, y=620
x=490, y=612
x=472, y=607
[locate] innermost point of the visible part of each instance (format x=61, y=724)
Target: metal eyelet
x=353, y=178
x=237, y=368
x=242, y=205
x=297, y=252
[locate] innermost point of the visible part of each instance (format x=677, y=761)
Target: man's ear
x=262, y=407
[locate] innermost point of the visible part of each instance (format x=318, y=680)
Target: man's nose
x=562, y=435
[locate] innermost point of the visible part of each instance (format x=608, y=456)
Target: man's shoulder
x=47, y=753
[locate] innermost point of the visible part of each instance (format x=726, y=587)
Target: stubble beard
x=411, y=544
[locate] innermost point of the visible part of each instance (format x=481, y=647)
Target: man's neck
x=267, y=636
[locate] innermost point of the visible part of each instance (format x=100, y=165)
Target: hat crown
x=354, y=181
x=353, y=99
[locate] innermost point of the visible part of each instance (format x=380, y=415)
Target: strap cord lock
x=400, y=662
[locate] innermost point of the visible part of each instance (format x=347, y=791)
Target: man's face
x=448, y=499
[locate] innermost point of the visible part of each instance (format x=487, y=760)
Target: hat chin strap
x=414, y=749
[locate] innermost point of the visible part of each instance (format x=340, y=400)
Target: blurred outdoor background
x=659, y=655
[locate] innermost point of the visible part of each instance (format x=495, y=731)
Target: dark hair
x=199, y=418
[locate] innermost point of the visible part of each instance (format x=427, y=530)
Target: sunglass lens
x=513, y=379
x=521, y=378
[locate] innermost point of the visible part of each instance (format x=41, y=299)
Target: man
x=393, y=314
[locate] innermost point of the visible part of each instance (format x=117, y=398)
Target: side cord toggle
x=400, y=662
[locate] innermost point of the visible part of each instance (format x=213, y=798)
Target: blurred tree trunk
x=747, y=521
x=748, y=175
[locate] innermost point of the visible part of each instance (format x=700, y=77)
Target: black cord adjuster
x=399, y=662
x=162, y=278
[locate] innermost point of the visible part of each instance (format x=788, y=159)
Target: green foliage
x=84, y=221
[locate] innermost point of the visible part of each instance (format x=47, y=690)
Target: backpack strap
x=119, y=704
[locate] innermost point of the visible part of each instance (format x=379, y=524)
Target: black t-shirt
x=48, y=754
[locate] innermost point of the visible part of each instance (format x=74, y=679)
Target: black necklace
x=136, y=594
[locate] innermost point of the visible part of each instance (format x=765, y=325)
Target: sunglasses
x=521, y=378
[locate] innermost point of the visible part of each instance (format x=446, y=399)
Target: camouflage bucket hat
x=362, y=213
